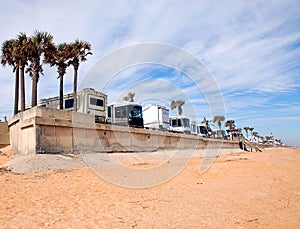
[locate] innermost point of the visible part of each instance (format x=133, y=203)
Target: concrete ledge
x=45, y=130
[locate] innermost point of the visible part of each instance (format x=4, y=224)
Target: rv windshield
x=136, y=112
x=185, y=122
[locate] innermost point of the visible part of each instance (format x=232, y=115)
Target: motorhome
x=201, y=130
x=125, y=114
x=89, y=101
x=156, y=117
x=180, y=124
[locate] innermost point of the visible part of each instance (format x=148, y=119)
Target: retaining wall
x=4, y=134
x=45, y=130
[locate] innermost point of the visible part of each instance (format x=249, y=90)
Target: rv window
x=186, y=122
x=69, y=103
x=120, y=112
x=174, y=122
x=96, y=102
x=136, y=112
x=109, y=111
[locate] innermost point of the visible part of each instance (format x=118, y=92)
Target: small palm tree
x=206, y=121
x=40, y=44
x=8, y=57
x=255, y=133
x=218, y=119
x=230, y=124
x=246, y=129
x=129, y=97
x=79, y=52
x=251, y=130
x=177, y=104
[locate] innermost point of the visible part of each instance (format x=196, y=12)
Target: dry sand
x=240, y=190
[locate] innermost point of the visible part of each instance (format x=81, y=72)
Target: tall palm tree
x=129, y=97
x=230, y=124
x=246, y=128
x=40, y=44
x=21, y=46
x=177, y=104
x=62, y=55
x=79, y=52
x=218, y=119
x=8, y=57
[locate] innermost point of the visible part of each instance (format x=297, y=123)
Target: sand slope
x=241, y=190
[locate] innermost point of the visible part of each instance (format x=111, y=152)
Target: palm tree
x=218, y=119
x=255, y=133
x=129, y=97
x=177, y=104
x=251, y=130
x=79, y=52
x=8, y=57
x=62, y=55
x=39, y=44
x=206, y=121
x=246, y=129
x=230, y=124
x=21, y=46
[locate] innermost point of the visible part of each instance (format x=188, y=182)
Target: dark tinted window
x=120, y=112
x=69, y=103
x=96, y=102
x=174, y=122
x=137, y=112
x=109, y=111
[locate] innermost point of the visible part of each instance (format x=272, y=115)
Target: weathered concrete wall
x=44, y=130
x=4, y=133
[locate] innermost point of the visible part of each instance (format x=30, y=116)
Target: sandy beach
x=240, y=190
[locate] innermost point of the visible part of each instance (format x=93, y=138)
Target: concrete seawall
x=44, y=130
x=4, y=133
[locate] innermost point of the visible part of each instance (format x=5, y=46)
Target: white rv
x=89, y=101
x=156, y=117
x=125, y=114
x=180, y=124
x=201, y=130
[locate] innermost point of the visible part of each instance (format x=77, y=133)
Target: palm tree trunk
x=61, y=92
x=16, y=105
x=35, y=76
x=22, y=89
x=75, y=89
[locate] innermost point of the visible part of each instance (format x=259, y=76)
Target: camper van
x=180, y=124
x=125, y=114
x=156, y=117
x=89, y=101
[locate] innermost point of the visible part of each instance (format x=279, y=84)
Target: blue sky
x=251, y=48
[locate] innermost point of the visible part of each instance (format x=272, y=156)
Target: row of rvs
x=125, y=113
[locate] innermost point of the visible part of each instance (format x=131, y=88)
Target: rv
x=125, y=114
x=180, y=124
x=156, y=117
x=201, y=130
x=89, y=101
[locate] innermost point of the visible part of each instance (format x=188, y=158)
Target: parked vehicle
x=89, y=101
x=156, y=117
x=201, y=130
x=180, y=124
x=125, y=114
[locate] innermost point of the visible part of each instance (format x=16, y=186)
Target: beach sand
x=240, y=190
